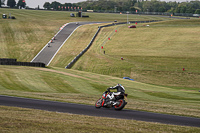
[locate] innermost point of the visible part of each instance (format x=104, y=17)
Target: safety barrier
x=85, y=50
x=6, y=61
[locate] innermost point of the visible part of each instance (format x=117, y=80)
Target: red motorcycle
x=118, y=102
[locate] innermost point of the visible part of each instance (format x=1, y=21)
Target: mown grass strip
x=14, y=119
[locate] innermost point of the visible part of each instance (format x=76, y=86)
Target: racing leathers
x=120, y=91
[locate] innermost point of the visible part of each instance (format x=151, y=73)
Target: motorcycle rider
x=120, y=91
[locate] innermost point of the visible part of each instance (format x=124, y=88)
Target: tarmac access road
x=50, y=49
x=102, y=112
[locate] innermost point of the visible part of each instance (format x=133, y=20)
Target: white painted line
x=48, y=43
x=62, y=45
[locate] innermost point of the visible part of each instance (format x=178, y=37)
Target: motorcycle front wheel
x=98, y=103
x=120, y=105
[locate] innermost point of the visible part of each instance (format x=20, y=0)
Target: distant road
x=102, y=112
x=47, y=53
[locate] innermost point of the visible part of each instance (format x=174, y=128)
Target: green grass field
x=16, y=120
x=24, y=37
x=154, y=56
x=64, y=85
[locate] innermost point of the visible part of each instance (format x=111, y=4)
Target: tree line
x=13, y=3
x=119, y=6
x=58, y=6
x=129, y=5
x=143, y=6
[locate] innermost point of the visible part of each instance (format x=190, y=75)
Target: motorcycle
x=118, y=101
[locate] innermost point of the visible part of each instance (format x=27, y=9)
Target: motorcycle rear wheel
x=98, y=103
x=121, y=105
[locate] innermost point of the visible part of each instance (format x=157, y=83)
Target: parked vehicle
x=128, y=78
x=132, y=26
x=72, y=15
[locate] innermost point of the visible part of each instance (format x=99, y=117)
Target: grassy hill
x=154, y=56
x=24, y=37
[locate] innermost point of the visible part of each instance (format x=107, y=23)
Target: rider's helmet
x=119, y=85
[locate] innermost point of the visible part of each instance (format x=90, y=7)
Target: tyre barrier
x=99, y=28
x=5, y=61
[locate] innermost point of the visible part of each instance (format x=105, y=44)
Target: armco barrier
x=85, y=50
x=5, y=61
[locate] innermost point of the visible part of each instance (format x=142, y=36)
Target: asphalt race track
x=102, y=112
x=47, y=53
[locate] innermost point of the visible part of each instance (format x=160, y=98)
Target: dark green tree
x=190, y=10
x=161, y=9
x=197, y=11
x=0, y=3
x=177, y=10
x=55, y=5
x=183, y=9
x=21, y=4
x=11, y=3
x=47, y=5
